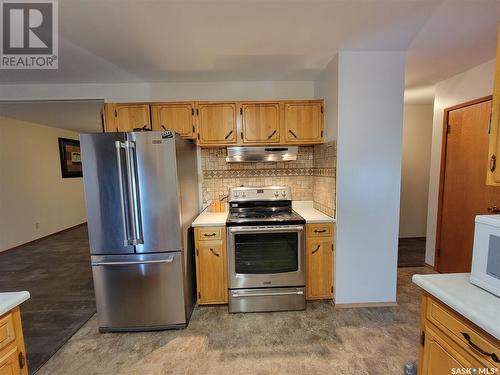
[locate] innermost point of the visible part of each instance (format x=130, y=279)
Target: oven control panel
x=264, y=193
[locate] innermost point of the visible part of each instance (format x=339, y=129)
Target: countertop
x=308, y=212
x=9, y=300
x=303, y=208
x=210, y=219
x=455, y=290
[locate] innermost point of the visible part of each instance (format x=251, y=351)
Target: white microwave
x=486, y=254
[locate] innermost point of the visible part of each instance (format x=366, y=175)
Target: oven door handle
x=267, y=229
x=297, y=292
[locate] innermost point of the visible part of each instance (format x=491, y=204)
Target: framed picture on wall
x=71, y=162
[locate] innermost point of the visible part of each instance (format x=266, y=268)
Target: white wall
x=472, y=84
x=370, y=123
x=31, y=187
x=417, y=140
x=327, y=87
x=163, y=91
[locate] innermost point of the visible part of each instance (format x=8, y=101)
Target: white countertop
x=9, y=300
x=455, y=290
x=308, y=212
x=303, y=208
x=210, y=219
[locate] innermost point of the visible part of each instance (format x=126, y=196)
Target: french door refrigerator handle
x=168, y=260
x=133, y=185
x=119, y=145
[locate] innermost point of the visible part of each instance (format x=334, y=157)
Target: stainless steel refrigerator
x=141, y=192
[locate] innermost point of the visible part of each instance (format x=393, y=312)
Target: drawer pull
x=316, y=250
x=213, y=252
x=320, y=231
x=209, y=235
x=493, y=356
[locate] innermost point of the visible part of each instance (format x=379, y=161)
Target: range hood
x=259, y=154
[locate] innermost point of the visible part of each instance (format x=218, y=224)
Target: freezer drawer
x=139, y=292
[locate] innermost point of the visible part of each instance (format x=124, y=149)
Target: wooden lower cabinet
x=211, y=265
x=444, y=346
x=12, y=351
x=319, y=261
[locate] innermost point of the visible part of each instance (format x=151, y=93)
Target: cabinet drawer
x=7, y=331
x=458, y=329
x=320, y=230
x=210, y=234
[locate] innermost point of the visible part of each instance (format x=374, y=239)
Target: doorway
x=463, y=190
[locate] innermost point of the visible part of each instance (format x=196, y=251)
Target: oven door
x=270, y=256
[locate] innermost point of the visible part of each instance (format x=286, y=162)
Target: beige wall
x=31, y=187
x=417, y=139
x=471, y=84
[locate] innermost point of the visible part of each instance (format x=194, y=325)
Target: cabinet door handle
x=228, y=135
x=213, y=252
x=493, y=163
x=22, y=360
x=163, y=127
x=291, y=132
x=271, y=135
x=316, y=250
x=320, y=231
x=493, y=210
x=493, y=356
x=209, y=235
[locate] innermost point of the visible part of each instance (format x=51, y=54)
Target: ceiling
x=82, y=116
x=209, y=40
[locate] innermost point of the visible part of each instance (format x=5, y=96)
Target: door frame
x=442, y=169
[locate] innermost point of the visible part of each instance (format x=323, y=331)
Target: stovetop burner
x=261, y=206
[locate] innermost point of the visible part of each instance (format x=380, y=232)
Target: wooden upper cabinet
x=493, y=175
x=303, y=122
x=260, y=122
x=178, y=117
x=216, y=123
x=126, y=117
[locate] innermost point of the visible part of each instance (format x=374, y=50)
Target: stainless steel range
x=266, y=247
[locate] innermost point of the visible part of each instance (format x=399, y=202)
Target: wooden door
x=260, y=122
x=126, y=117
x=216, y=123
x=319, y=268
x=303, y=122
x=212, y=274
x=439, y=356
x=493, y=168
x=9, y=362
x=178, y=117
x=464, y=193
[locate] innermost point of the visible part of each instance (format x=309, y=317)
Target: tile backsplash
x=325, y=161
x=311, y=177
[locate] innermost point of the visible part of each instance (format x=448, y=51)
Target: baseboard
x=367, y=304
x=430, y=266
x=44, y=237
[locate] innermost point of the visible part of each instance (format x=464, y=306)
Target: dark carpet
x=56, y=271
x=411, y=252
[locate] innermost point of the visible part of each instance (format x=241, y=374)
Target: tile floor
x=320, y=340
